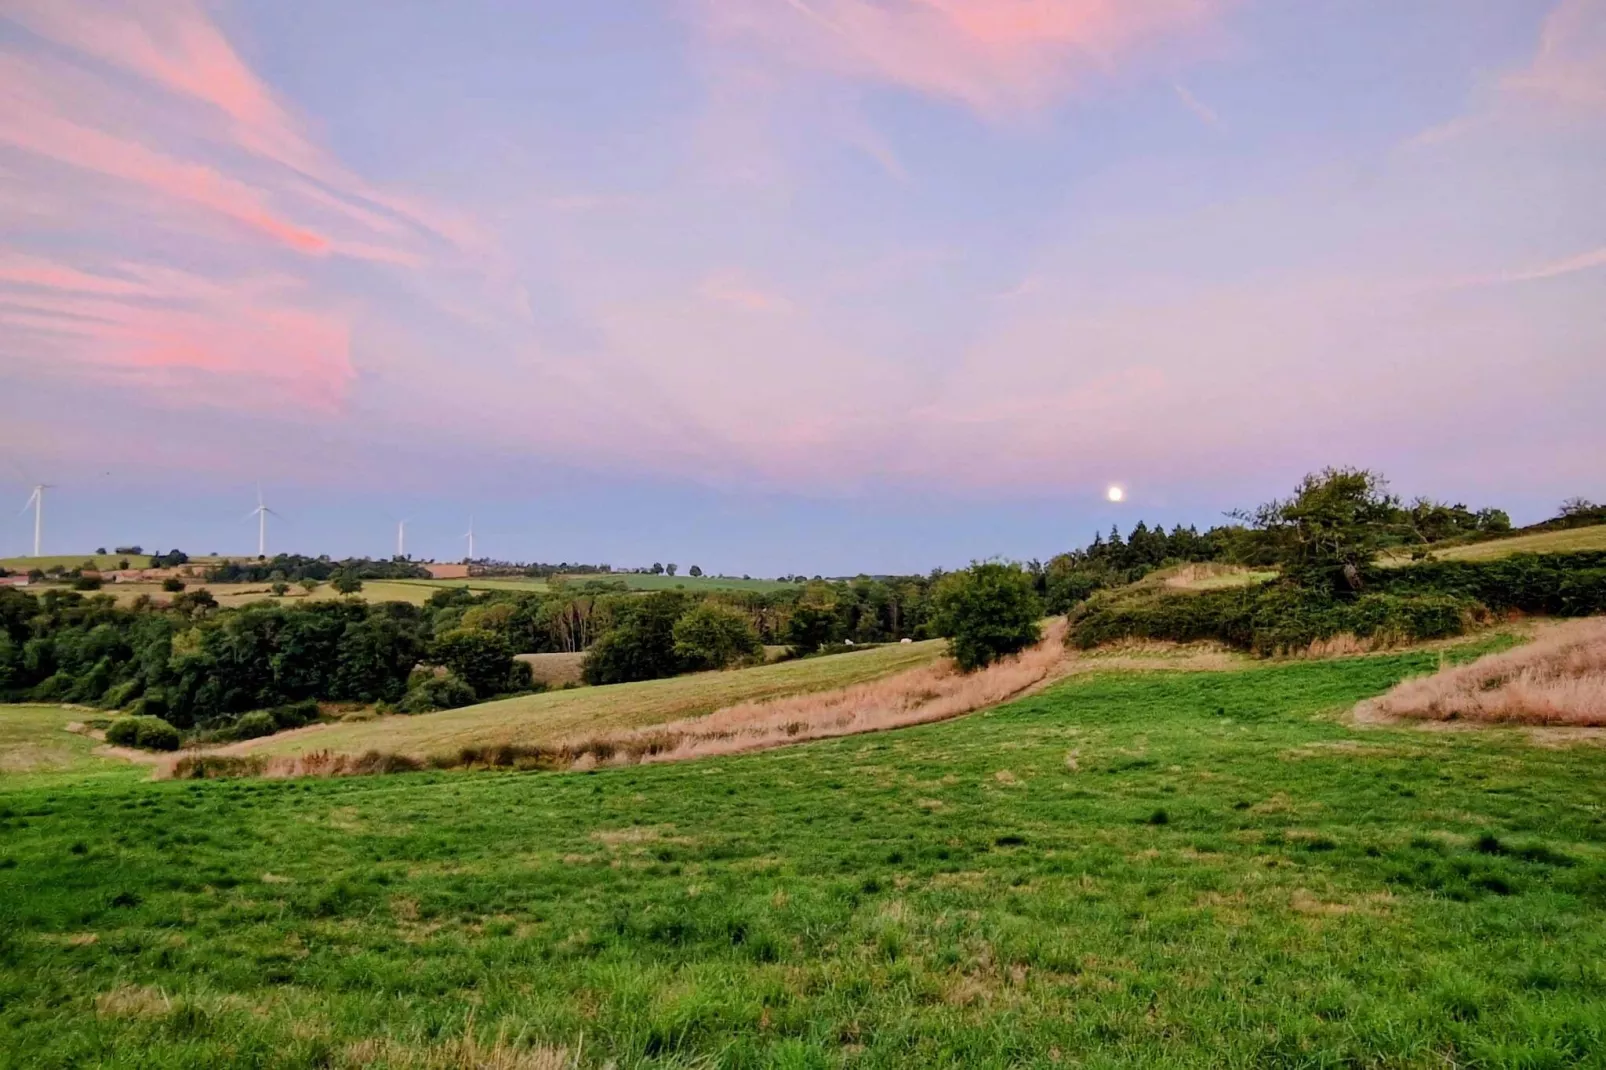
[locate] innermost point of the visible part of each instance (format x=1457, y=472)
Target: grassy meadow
x=1568, y=540
x=69, y=561
x=556, y=715
x=1126, y=870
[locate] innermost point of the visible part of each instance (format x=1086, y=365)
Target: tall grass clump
x=1558, y=679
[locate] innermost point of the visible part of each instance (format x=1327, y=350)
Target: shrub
x=86, y=583
x=148, y=733
x=280, y=589
x=217, y=766
x=172, y=585
x=988, y=611
x=714, y=636
x=255, y=724
x=1270, y=618
x=522, y=678
x=295, y=714
x=437, y=693
x=153, y=704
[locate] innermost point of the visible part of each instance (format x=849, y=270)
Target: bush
x=86, y=583
x=714, y=636
x=437, y=693
x=148, y=733
x=280, y=589
x=295, y=714
x=522, y=678
x=172, y=585
x=987, y=612
x=1269, y=619
x=255, y=724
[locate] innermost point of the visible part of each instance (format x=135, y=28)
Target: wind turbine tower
x=401, y=538
x=36, y=501
x=470, y=537
x=261, y=512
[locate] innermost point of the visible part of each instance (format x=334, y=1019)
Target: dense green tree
x=480, y=659
x=641, y=644
x=988, y=611
x=715, y=636
x=1327, y=533
x=346, y=581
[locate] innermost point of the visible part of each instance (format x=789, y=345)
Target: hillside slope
x=1162, y=870
x=556, y=715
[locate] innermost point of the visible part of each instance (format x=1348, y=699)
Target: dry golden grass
x=1558, y=679
x=466, y=1053
x=540, y=720
x=933, y=692
x=1211, y=575
x=555, y=670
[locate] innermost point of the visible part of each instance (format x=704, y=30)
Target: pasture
x=556, y=715
x=1127, y=870
x=1568, y=540
x=70, y=561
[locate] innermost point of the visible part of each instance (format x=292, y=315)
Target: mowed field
x=556, y=715
x=1126, y=870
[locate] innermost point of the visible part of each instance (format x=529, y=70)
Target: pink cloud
x=1570, y=66
x=995, y=56
x=31, y=122
x=193, y=338
x=733, y=290
x=174, y=44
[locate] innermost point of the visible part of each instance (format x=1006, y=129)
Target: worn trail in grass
x=1165, y=869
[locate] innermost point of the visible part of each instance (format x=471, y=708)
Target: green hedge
x=1432, y=600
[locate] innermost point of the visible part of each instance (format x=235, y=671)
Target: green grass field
x=556, y=715
x=36, y=746
x=1545, y=542
x=102, y=561
x=1162, y=870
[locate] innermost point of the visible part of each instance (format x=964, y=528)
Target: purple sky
x=779, y=285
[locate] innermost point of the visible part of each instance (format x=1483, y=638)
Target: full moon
x=1115, y=493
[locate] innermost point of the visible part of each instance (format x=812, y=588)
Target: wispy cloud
x=1206, y=114
x=997, y=57
x=1571, y=265
x=145, y=105
x=1570, y=65
x=732, y=289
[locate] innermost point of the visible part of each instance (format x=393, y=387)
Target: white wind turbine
x=261, y=512
x=401, y=538
x=469, y=535
x=36, y=502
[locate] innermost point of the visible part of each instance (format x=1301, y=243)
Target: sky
x=776, y=286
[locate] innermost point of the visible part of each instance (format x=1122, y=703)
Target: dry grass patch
x=133, y=1001
x=930, y=693
x=1558, y=679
